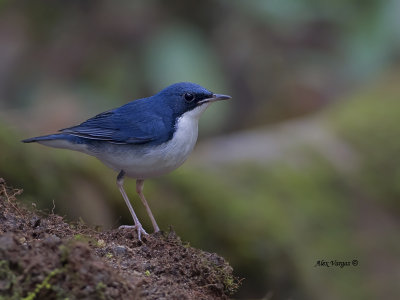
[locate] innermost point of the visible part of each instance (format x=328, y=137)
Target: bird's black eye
x=188, y=97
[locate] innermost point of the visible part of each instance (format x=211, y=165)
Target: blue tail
x=61, y=140
x=58, y=136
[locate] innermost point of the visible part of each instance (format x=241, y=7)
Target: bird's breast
x=144, y=161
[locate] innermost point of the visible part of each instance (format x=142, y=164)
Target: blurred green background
x=302, y=165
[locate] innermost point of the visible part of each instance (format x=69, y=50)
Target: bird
x=141, y=139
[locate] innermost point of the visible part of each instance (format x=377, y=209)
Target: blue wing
x=132, y=123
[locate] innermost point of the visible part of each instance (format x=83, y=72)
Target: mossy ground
x=43, y=257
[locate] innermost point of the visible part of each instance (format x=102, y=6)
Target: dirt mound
x=43, y=257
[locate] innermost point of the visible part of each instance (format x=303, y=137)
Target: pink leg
x=139, y=190
x=137, y=226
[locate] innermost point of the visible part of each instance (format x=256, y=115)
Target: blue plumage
x=148, y=120
x=143, y=138
x=57, y=136
x=130, y=124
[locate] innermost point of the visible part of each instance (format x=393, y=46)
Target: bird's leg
x=138, y=226
x=139, y=190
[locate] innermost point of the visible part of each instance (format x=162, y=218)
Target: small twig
x=5, y=193
x=18, y=192
x=54, y=206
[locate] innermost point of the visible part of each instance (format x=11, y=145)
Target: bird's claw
x=139, y=228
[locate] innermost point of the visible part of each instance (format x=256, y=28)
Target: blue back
x=148, y=120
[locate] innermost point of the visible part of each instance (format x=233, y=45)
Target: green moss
x=6, y=275
x=100, y=289
x=231, y=284
x=64, y=250
x=9, y=280
x=80, y=237
x=219, y=273
x=45, y=284
x=83, y=239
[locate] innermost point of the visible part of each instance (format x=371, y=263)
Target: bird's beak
x=215, y=97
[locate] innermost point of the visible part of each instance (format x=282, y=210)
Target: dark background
x=302, y=165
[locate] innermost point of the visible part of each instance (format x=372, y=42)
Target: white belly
x=144, y=161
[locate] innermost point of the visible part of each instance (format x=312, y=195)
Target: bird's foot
x=139, y=228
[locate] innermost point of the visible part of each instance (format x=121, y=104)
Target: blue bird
x=142, y=139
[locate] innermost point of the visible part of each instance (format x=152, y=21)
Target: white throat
x=177, y=150
x=195, y=113
x=186, y=131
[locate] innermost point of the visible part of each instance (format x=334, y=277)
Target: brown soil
x=43, y=257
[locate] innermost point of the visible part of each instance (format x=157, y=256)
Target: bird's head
x=187, y=97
